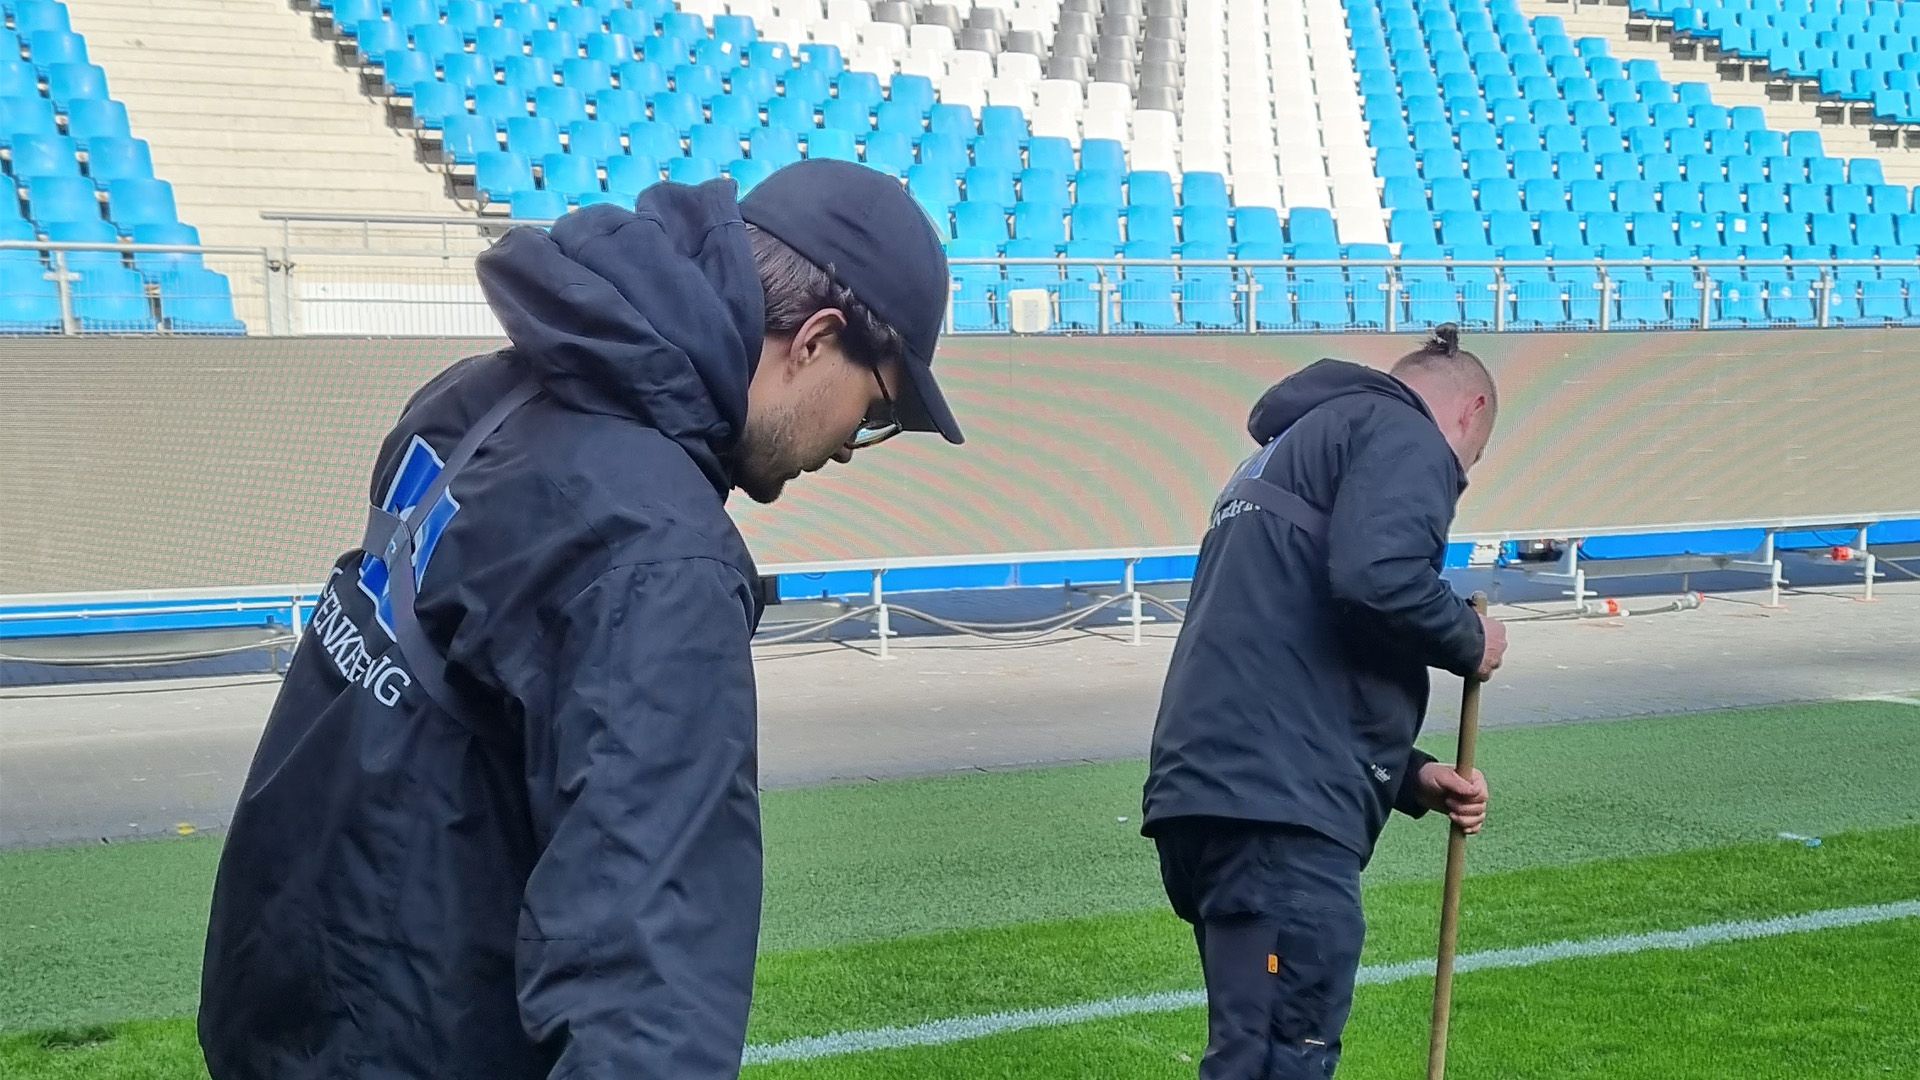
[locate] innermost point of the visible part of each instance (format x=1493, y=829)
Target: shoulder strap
x=392, y=537
x=1279, y=502
x=1248, y=486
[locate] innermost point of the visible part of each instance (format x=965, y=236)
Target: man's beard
x=762, y=461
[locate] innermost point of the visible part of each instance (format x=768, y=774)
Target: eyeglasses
x=875, y=430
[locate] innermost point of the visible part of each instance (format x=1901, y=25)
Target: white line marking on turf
x=961, y=1028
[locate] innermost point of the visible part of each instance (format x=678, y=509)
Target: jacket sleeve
x=1406, y=798
x=640, y=920
x=1389, y=520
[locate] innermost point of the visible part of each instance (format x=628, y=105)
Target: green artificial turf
x=1837, y=1005
x=965, y=973
x=899, y=901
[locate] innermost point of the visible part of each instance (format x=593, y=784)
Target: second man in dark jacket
x=1286, y=726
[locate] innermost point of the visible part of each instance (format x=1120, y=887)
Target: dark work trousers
x=1276, y=914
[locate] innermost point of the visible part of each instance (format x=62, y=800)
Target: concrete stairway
x=247, y=111
x=1733, y=84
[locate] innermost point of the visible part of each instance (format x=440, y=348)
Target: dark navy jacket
x=566, y=883
x=1300, y=677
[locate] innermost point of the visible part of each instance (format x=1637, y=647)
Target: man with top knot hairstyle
x=1286, y=727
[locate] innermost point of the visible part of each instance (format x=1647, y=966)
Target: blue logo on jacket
x=418, y=469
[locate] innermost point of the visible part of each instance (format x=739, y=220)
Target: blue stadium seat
x=734, y=110
x=1832, y=229
x=1207, y=293
x=627, y=177
x=533, y=137
x=1311, y=225
x=1206, y=225
x=653, y=139
x=1807, y=199
x=95, y=119
x=691, y=170
x=1257, y=225
x=561, y=104
x=70, y=83
x=1451, y=193
x=1147, y=292
x=676, y=110
x=1560, y=228
x=989, y=186
x=1043, y=222
x=980, y=222
x=596, y=140
x=1150, y=224
x=1052, y=153
x=1539, y=304
x=747, y=173
x=909, y=120
x=619, y=108
x=1683, y=196
x=1865, y=171
x=1606, y=228
x=113, y=300
x=87, y=232
x=1044, y=186
x=1204, y=189
x=832, y=145
x=1102, y=155
x=976, y=301
x=1876, y=230
x=1153, y=189
x=1500, y=196
x=714, y=142
x=1510, y=230
x=49, y=47
x=1079, y=301
x=1545, y=194
x=792, y=114
x=1412, y=227
x=538, y=205
x=1850, y=199
x=29, y=301
x=842, y=114
x=1095, y=223
x=888, y=149
x=643, y=77
x=1737, y=300
x=915, y=91
x=572, y=176
x=113, y=158
x=502, y=174
x=53, y=199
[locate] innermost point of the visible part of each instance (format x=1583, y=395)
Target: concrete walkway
x=85, y=763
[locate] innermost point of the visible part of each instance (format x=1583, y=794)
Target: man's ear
x=822, y=328
x=1471, y=415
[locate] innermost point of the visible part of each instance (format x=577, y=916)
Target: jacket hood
x=654, y=314
x=1293, y=397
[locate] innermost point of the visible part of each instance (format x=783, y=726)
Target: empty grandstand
x=1097, y=165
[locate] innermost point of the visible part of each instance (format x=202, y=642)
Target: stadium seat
x=29, y=300
x=113, y=300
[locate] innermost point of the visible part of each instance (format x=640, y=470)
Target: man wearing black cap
x=503, y=821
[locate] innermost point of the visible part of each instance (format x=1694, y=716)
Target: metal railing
x=413, y=275
x=121, y=288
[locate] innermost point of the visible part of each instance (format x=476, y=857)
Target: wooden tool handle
x=1456, y=868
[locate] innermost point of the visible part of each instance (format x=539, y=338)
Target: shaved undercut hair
x=1442, y=356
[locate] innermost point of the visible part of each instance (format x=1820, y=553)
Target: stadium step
x=1732, y=84
x=246, y=110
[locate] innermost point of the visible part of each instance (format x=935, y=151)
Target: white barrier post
x=1866, y=556
x=1133, y=597
x=881, y=621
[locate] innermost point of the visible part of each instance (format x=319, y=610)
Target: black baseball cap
x=863, y=228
